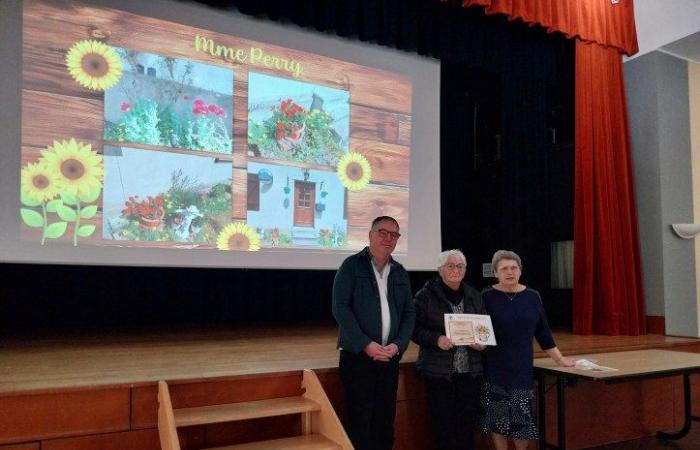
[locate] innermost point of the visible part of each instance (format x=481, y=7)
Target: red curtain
x=598, y=21
x=608, y=293
x=608, y=288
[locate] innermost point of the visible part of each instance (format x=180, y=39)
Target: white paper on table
x=468, y=329
x=585, y=364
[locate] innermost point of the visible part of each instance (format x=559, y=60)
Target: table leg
x=541, y=416
x=687, y=417
x=561, y=413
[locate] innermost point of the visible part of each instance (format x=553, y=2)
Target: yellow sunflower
x=238, y=236
x=79, y=169
x=38, y=182
x=354, y=171
x=94, y=65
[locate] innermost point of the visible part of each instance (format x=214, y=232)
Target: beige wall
x=694, y=118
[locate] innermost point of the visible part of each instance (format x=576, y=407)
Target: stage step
x=320, y=427
x=245, y=410
x=309, y=442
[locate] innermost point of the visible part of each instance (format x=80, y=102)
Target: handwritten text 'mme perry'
x=254, y=55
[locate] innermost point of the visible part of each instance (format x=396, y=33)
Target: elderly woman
x=517, y=315
x=452, y=373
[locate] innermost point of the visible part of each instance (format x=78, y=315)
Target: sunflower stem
x=77, y=225
x=43, y=228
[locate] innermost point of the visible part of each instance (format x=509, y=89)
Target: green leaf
x=86, y=230
x=66, y=213
x=69, y=199
x=88, y=212
x=55, y=230
x=31, y=217
x=29, y=201
x=53, y=204
x=90, y=196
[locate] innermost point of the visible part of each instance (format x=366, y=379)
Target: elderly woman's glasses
x=451, y=266
x=386, y=234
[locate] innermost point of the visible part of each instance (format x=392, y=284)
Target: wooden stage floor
x=37, y=364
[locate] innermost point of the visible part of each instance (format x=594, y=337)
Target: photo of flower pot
x=298, y=121
x=148, y=196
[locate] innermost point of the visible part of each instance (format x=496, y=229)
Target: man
x=373, y=305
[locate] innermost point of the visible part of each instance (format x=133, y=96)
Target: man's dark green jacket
x=356, y=305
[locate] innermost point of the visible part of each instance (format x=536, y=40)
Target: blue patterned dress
x=508, y=399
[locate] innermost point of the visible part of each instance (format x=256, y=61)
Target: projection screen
x=167, y=133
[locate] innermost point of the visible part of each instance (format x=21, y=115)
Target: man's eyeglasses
x=459, y=267
x=386, y=234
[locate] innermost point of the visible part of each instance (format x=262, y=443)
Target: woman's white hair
x=444, y=256
x=500, y=255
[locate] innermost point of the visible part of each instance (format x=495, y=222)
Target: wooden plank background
x=55, y=107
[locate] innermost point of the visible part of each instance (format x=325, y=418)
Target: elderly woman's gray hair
x=444, y=256
x=505, y=254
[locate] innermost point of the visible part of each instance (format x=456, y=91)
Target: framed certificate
x=468, y=329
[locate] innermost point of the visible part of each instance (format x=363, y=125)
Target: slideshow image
x=182, y=138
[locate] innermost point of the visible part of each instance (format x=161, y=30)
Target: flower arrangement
x=483, y=333
x=334, y=237
x=274, y=237
x=188, y=211
x=289, y=121
x=200, y=125
x=150, y=208
x=63, y=183
x=295, y=133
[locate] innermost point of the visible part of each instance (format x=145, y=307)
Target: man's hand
x=393, y=349
x=377, y=352
x=478, y=347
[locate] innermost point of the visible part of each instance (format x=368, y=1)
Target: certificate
x=468, y=329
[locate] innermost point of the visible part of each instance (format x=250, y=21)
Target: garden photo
x=161, y=196
x=170, y=102
x=296, y=207
x=297, y=121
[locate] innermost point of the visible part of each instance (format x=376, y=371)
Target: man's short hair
x=381, y=218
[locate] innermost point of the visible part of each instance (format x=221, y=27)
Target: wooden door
x=304, y=203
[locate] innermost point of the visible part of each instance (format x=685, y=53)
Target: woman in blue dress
x=517, y=315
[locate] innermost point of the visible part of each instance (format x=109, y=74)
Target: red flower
x=125, y=107
x=198, y=110
x=199, y=102
x=213, y=108
x=186, y=97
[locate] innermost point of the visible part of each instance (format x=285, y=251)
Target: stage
x=129, y=357
x=98, y=390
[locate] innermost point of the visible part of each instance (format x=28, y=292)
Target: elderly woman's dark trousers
x=453, y=406
x=370, y=395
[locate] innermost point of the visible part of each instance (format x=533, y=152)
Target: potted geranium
x=149, y=212
x=289, y=124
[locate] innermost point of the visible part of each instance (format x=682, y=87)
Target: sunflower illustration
x=38, y=182
x=354, y=171
x=94, y=65
x=238, y=236
x=79, y=169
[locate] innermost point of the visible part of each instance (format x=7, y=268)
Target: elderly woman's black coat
x=431, y=306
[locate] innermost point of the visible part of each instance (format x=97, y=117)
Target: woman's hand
x=565, y=362
x=445, y=343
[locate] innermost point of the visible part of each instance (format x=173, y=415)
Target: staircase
x=320, y=427
x=304, y=237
